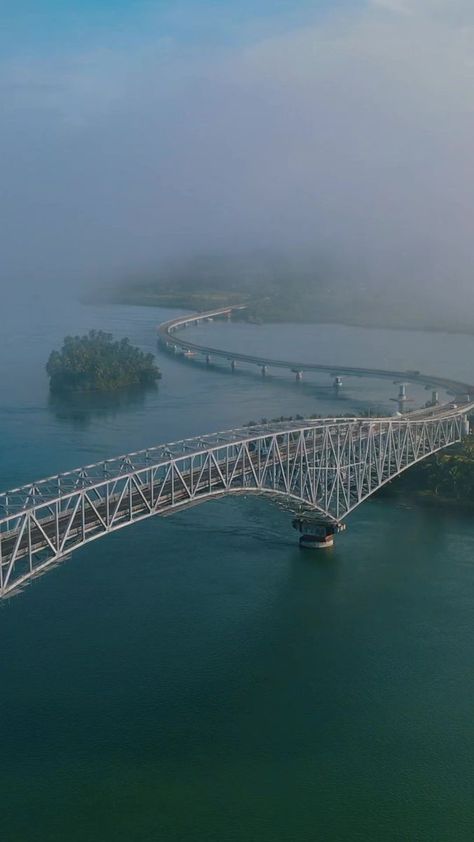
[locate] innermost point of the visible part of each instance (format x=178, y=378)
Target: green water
x=200, y=678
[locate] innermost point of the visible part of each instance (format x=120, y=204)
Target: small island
x=95, y=362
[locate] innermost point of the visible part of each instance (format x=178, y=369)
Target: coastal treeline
x=448, y=475
x=277, y=286
x=97, y=362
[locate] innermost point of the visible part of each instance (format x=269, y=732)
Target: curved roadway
x=169, y=340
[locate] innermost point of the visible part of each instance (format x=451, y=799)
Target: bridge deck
x=168, y=337
x=324, y=466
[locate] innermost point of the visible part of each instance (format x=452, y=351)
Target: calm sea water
x=198, y=677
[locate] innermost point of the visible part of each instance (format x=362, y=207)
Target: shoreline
x=376, y=324
x=426, y=498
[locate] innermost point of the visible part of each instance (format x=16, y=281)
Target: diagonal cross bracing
x=328, y=466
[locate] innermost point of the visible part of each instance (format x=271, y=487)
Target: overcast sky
x=135, y=131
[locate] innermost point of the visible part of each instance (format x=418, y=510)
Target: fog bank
x=351, y=139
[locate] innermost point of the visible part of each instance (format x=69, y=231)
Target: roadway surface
x=119, y=508
x=170, y=339
x=115, y=509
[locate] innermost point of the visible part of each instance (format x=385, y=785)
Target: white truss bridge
x=321, y=468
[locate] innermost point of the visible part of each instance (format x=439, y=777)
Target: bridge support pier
x=402, y=398
x=317, y=535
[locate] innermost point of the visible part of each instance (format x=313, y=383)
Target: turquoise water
x=200, y=678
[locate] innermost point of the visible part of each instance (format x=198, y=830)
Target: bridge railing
x=169, y=338
x=326, y=466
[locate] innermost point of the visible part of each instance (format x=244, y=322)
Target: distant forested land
x=448, y=476
x=278, y=287
x=95, y=362
x=273, y=288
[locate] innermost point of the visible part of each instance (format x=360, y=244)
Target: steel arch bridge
x=322, y=468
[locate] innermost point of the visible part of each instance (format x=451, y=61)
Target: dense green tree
x=448, y=474
x=97, y=362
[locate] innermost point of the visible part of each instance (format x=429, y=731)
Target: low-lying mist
x=342, y=150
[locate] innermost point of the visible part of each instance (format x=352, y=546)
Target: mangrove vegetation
x=97, y=362
x=448, y=476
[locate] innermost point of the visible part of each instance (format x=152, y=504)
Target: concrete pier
x=321, y=540
x=402, y=398
x=413, y=376
x=317, y=535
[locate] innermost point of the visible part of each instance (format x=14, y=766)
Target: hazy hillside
x=280, y=288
